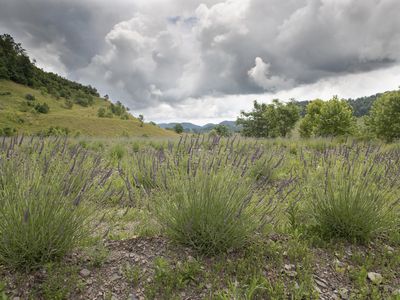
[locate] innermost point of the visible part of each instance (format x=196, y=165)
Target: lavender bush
x=45, y=189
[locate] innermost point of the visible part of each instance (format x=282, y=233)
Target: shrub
x=30, y=97
x=68, y=104
x=355, y=198
x=8, y=131
x=101, y=112
x=211, y=212
x=117, y=152
x=42, y=108
x=43, y=213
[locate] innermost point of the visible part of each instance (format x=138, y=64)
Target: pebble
x=84, y=272
x=375, y=278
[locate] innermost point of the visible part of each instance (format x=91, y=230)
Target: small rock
x=375, y=278
x=115, y=277
x=338, y=263
x=84, y=272
x=389, y=249
x=16, y=298
x=344, y=293
x=321, y=282
x=208, y=286
x=289, y=267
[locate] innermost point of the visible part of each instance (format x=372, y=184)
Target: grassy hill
x=18, y=113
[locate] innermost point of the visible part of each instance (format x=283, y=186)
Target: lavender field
x=199, y=217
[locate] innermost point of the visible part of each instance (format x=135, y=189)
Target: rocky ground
x=154, y=268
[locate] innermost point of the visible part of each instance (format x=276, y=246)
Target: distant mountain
x=190, y=127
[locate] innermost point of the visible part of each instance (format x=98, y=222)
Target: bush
x=211, y=213
x=30, y=97
x=354, y=199
x=42, y=108
x=101, y=112
x=68, y=104
x=43, y=209
x=8, y=131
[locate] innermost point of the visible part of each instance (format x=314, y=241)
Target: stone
x=344, y=293
x=289, y=267
x=84, y=272
x=375, y=278
x=321, y=282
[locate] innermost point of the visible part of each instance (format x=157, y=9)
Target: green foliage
x=178, y=128
x=43, y=202
x=68, y=103
x=8, y=131
x=328, y=118
x=384, y=119
x=101, y=113
x=354, y=198
x=42, y=108
x=15, y=65
x=272, y=120
x=212, y=213
x=222, y=130
x=30, y=97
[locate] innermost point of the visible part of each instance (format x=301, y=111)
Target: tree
x=141, y=119
x=222, y=130
x=329, y=118
x=178, y=128
x=384, y=118
x=272, y=120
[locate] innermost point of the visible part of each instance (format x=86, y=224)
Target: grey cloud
x=157, y=51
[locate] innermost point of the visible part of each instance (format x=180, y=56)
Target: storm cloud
x=157, y=55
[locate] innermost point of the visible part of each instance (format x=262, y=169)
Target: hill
x=34, y=101
x=190, y=127
x=16, y=112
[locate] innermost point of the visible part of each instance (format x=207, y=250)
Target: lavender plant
x=354, y=193
x=45, y=191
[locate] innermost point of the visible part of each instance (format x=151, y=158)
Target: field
x=198, y=217
x=79, y=120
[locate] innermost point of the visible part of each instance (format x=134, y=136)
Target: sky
x=205, y=61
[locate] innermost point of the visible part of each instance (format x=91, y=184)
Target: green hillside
x=16, y=112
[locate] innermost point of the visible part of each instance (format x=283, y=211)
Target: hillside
x=190, y=127
x=16, y=113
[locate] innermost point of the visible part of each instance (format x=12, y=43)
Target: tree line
x=334, y=117
x=16, y=65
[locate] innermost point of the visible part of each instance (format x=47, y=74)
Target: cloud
x=164, y=55
x=261, y=76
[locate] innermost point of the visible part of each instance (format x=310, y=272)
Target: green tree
x=178, y=128
x=141, y=120
x=222, y=130
x=329, y=118
x=384, y=119
x=269, y=120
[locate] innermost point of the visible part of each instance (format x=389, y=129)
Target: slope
x=16, y=112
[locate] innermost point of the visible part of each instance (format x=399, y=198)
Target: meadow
x=199, y=217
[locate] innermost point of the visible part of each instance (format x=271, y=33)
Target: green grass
x=79, y=120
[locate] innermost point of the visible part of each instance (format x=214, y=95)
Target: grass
x=79, y=120
x=253, y=219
